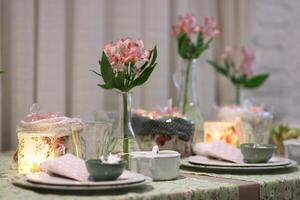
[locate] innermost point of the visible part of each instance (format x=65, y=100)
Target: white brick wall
x=276, y=40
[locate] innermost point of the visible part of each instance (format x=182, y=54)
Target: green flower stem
x=237, y=94
x=185, y=87
x=125, y=128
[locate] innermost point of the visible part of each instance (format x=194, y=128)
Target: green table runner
x=274, y=186
x=283, y=186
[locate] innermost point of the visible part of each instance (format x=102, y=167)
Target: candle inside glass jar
x=36, y=147
x=228, y=132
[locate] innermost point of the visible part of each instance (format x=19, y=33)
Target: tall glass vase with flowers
x=239, y=69
x=125, y=65
x=192, y=41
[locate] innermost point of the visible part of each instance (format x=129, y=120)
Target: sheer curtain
x=48, y=47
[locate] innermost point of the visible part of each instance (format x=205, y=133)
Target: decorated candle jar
x=42, y=139
x=228, y=132
x=37, y=147
x=167, y=129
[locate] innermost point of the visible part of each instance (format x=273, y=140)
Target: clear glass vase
x=186, y=81
x=123, y=133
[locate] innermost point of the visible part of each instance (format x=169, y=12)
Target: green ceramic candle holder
x=257, y=153
x=104, y=171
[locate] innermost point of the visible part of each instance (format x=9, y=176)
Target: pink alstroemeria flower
x=186, y=24
x=210, y=28
x=248, y=61
x=229, y=54
x=125, y=51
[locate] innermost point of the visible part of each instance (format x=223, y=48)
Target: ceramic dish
x=235, y=169
x=202, y=160
x=292, y=148
x=24, y=183
x=257, y=153
x=44, y=178
x=104, y=171
x=161, y=166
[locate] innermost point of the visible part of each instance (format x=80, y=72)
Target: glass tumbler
x=260, y=128
x=97, y=139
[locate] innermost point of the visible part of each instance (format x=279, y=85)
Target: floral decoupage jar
x=227, y=132
x=42, y=137
x=255, y=120
x=166, y=128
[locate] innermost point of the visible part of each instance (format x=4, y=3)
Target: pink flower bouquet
x=125, y=64
x=241, y=74
x=186, y=28
x=192, y=41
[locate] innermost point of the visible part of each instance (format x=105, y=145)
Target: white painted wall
x=275, y=37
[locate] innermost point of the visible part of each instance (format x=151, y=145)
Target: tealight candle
x=228, y=132
x=37, y=147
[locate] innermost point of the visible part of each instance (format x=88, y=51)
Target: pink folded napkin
x=68, y=166
x=219, y=150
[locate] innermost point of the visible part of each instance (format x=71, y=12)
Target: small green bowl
x=103, y=171
x=257, y=153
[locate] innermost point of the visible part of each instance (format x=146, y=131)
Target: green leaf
x=119, y=81
x=180, y=36
x=199, y=46
x=144, y=66
x=200, y=39
x=184, y=45
x=153, y=55
x=197, y=52
x=2, y=72
x=152, y=59
x=255, y=81
x=191, y=50
x=106, y=69
x=239, y=80
x=227, y=65
x=143, y=77
x=95, y=72
x=219, y=68
x=108, y=85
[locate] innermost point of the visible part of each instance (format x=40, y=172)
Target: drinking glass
x=260, y=128
x=97, y=139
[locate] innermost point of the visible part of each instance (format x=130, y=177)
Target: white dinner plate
x=237, y=169
x=24, y=183
x=44, y=178
x=202, y=160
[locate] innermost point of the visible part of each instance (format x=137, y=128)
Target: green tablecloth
x=282, y=186
x=191, y=185
x=183, y=188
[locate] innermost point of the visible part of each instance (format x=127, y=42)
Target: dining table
x=191, y=184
